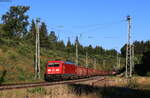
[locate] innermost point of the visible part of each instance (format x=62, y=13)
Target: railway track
x=36, y=84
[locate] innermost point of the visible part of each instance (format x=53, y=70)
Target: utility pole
x=36, y=59
x=37, y=52
x=77, y=50
x=95, y=63
x=86, y=59
x=128, y=51
x=68, y=52
x=132, y=58
x=39, y=70
x=117, y=63
x=104, y=64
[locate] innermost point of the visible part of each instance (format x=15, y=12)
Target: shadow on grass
x=109, y=92
x=2, y=77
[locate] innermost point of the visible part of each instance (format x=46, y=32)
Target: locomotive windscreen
x=53, y=65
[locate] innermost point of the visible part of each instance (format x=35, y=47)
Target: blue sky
x=96, y=22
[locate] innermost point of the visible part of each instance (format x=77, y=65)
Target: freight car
x=60, y=70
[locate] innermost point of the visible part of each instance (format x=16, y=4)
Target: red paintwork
x=54, y=70
x=81, y=71
x=71, y=69
x=68, y=69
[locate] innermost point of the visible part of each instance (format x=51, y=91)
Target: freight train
x=60, y=70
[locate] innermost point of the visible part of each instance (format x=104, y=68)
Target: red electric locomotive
x=59, y=70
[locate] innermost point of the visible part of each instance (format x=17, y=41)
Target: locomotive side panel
x=69, y=69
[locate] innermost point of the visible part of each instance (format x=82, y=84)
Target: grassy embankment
x=17, y=60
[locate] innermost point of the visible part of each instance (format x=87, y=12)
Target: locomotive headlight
x=57, y=69
x=49, y=69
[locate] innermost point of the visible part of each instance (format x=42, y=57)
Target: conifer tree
x=32, y=32
x=43, y=35
x=52, y=39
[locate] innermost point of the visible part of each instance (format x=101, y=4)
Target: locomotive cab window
x=53, y=64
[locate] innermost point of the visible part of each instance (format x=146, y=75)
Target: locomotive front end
x=53, y=70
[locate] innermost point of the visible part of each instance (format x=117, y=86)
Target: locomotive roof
x=69, y=62
x=66, y=62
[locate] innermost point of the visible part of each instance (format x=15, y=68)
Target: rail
x=36, y=84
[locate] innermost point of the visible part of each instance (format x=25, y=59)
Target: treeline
x=140, y=47
x=141, y=57
x=15, y=24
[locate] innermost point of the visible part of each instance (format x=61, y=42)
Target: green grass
x=17, y=58
x=39, y=90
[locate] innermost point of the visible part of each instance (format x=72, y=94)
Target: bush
x=24, y=50
x=12, y=56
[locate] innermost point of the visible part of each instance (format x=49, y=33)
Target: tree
x=77, y=40
x=142, y=55
x=2, y=32
x=111, y=52
x=32, y=32
x=80, y=47
x=52, y=39
x=98, y=50
x=90, y=50
x=43, y=35
x=139, y=48
x=60, y=45
x=16, y=21
x=43, y=31
x=123, y=51
x=68, y=46
x=147, y=45
x=146, y=61
x=144, y=67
